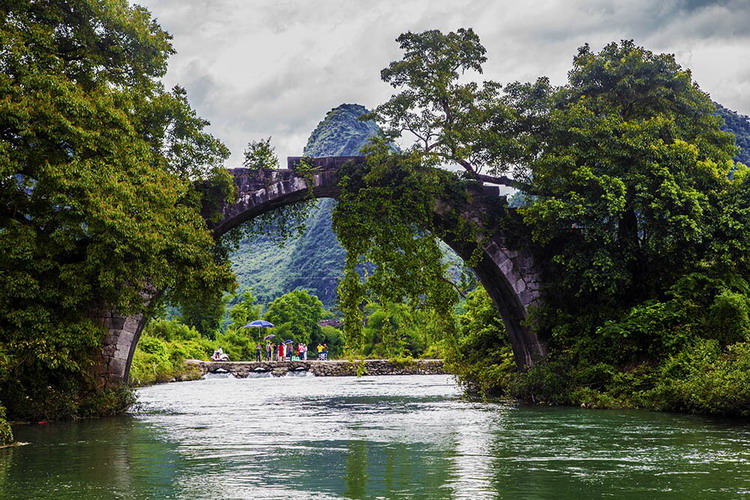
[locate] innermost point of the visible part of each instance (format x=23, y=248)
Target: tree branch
x=501, y=180
x=461, y=292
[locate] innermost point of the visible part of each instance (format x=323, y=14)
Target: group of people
x=288, y=352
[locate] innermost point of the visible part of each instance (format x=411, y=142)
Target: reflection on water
x=377, y=437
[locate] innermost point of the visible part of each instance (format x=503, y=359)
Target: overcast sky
x=259, y=68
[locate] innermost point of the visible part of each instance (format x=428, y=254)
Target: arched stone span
x=509, y=276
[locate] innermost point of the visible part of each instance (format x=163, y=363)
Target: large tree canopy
x=99, y=169
x=450, y=120
x=624, y=169
x=627, y=183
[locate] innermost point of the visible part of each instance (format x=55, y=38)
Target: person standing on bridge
x=257, y=352
x=269, y=351
x=280, y=355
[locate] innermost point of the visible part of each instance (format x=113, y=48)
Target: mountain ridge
x=313, y=260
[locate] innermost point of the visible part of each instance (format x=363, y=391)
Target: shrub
x=6, y=435
x=162, y=350
x=706, y=378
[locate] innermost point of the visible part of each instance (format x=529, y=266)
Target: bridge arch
x=509, y=276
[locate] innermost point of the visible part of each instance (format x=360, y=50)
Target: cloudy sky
x=259, y=68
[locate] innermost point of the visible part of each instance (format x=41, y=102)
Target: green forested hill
x=739, y=125
x=341, y=133
x=313, y=260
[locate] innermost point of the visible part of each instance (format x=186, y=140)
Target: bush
x=162, y=350
x=240, y=346
x=333, y=337
x=706, y=378
x=481, y=358
x=6, y=435
x=729, y=318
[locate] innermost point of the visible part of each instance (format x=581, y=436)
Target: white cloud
x=256, y=68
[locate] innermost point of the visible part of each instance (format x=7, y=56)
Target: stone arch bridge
x=509, y=276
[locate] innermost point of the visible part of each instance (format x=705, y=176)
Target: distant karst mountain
x=739, y=125
x=314, y=260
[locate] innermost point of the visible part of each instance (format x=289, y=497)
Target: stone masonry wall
x=333, y=368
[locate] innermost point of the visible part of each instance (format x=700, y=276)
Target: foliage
x=260, y=155
x=450, y=121
x=397, y=330
x=6, y=433
x=635, y=207
x=637, y=210
x=626, y=189
x=333, y=338
x=163, y=347
x=482, y=358
x=296, y=315
x=236, y=340
x=386, y=217
x=100, y=168
x=203, y=313
x=243, y=312
x=706, y=379
x=677, y=355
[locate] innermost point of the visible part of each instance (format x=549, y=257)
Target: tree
x=297, y=314
x=627, y=187
x=260, y=155
x=462, y=123
x=102, y=181
x=399, y=329
x=386, y=222
x=482, y=358
x=244, y=311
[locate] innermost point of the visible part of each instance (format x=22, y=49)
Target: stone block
x=117, y=323
x=116, y=368
x=506, y=267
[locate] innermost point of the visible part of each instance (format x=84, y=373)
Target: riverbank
x=332, y=368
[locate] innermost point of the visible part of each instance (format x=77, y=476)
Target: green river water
x=373, y=437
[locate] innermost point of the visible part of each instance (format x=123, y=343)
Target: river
x=372, y=437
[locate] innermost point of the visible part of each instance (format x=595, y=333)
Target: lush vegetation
x=397, y=330
x=6, y=434
x=632, y=203
x=103, y=174
x=162, y=350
